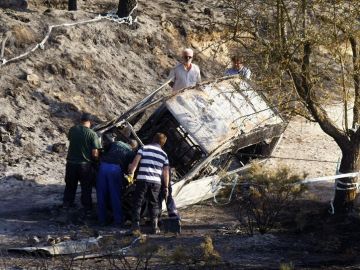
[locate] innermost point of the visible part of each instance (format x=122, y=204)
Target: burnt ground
x=306, y=238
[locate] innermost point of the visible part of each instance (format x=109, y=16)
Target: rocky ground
x=103, y=68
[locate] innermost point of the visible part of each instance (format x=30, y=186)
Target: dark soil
x=310, y=239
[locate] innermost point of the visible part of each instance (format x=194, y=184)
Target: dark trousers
x=146, y=191
x=170, y=204
x=108, y=186
x=74, y=173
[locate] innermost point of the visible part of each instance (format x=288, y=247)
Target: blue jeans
x=108, y=186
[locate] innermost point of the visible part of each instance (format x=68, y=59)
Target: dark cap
x=86, y=117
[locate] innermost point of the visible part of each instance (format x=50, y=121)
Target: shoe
x=88, y=213
x=67, y=206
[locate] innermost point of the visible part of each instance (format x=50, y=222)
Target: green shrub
x=263, y=194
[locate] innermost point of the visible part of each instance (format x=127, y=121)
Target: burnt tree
x=125, y=7
x=72, y=5
x=308, y=50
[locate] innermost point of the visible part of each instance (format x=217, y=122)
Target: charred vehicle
x=213, y=129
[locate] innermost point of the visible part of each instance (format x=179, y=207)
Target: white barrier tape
x=111, y=17
x=327, y=178
x=349, y=186
x=345, y=184
x=321, y=179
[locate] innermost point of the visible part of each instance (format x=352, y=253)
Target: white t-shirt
x=183, y=78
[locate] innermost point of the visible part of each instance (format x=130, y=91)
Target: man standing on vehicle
x=82, y=154
x=238, y=68
x=153, y=163
x=186, y=73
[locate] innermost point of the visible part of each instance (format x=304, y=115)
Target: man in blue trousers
x=113, y=164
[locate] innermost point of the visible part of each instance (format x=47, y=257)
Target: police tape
x=333, y=177
x=216, y=187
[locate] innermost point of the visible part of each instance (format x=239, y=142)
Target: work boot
x=155, y=226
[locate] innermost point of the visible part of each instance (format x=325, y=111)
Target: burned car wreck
x=213, y=129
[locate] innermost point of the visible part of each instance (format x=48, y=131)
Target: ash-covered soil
x=104, y=68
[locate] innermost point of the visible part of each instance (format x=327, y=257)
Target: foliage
x=264, y=195
x=286, y=266
x=208, y=251
x=203, y=254
x=306, y=52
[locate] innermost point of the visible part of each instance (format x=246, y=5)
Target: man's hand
x=166, y=193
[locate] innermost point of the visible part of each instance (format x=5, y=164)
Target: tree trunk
x=125, y=7
x=72, y=5
x=345, y=193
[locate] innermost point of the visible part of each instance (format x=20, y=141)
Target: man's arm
x=198, y=76
x=133, y=165
x=96, y=146
x=171, y=77
x=166, y=175
x=95, y=154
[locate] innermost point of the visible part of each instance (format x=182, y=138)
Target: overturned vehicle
x=214, y=129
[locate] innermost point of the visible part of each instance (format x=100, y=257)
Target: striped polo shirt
x=153, y=159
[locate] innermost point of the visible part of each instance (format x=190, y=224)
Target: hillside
x=102, y=68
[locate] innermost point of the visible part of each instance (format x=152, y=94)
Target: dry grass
x=209, y=253
x=198, y=255
x=268, y=193
x=58, y=4
x=23, y=35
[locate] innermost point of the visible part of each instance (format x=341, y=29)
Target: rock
x=5, y=137
x=11, y=127
x=20, y=4
x=163, y=17
x=33, y=79
x=31, y=129
x=3, y=119
x=59, y=147
x=208, y=11
x=29, y=149
x=18, y=176
x=53, y=69
x=182, y=30
x=67, y=72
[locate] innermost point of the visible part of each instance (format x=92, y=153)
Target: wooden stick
x=7, y=36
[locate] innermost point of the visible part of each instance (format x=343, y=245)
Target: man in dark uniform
x=83, y=152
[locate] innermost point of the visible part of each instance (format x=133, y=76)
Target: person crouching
x=110, y=177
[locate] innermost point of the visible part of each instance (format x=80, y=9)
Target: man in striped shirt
x=153, y=163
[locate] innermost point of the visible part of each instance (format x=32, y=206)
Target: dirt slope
x=102, y=68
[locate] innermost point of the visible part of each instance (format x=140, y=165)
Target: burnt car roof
x=214, y=113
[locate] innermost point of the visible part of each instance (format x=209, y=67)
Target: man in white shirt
x=185, y=74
